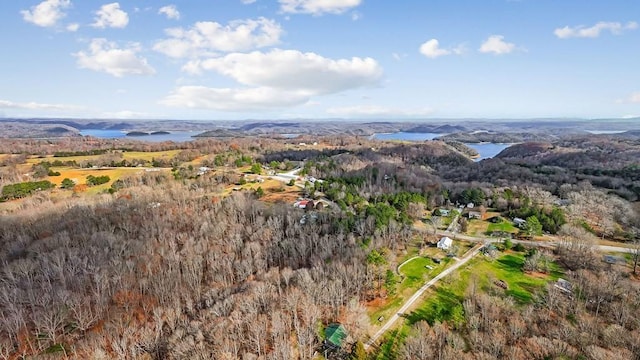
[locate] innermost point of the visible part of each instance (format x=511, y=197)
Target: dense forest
x=158, y=268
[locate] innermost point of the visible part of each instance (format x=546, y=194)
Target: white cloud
x=276, y=79
x=317, y=7
x=6, y=104
x=634, y=98
x=432, y=50
x=247, y=2
x=170, y=11
x=495, y=44
x=206, y=38
x=594, y=31
x=110, y=15
x=105, y=56
x=47, y=13
x=227, y=99
x=377, y=111
x=294, y=70
x=73, y=27
x=398, y=57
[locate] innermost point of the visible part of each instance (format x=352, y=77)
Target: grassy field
x=444, y=301
x=477, y=227
x=127, y=155
x=38, y=160
x=148, y=156
x=275, y=191
x=440, y=306
x=413, y=274
x=504, y=226
x=79, y=176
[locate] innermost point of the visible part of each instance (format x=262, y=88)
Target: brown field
x=169, y=154
x=80, y=175
x=275, y=191
x=37, y=160
x=479, y=227
x=127, y=155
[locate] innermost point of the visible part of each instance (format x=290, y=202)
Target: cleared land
x=444, y=302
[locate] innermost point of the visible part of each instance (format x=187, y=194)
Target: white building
x=444, y=243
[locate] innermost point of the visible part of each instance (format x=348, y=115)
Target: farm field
x=126, y=155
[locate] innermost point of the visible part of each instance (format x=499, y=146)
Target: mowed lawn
x=412, y=276
x=504, y=226
x=444, y=302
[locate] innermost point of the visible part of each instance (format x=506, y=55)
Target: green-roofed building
x=334, y=336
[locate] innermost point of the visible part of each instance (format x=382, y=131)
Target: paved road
x=550, y=244
x=287, y=176
x=419, y=293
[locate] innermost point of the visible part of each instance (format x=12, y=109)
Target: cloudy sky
x=279, y=59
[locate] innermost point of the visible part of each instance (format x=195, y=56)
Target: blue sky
x=281, y=59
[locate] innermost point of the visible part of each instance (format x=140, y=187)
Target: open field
x=275, y=191
x=504, y=226
x=444, y=302
x=413, y=272
x=79, y=176
x=126, y=155
x=148, y=156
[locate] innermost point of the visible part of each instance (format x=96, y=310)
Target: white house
x=519, y=222
x=444, y=243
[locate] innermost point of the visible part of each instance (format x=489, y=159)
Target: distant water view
x=176, y=136
x=486, y=150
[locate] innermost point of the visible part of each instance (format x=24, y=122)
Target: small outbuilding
x=444, y=243
x=475, y=215
x=334, y=336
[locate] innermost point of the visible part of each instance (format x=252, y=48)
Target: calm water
x=176, y=136
x=486, y=150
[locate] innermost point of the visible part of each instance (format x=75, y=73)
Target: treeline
x=79, y=153
x=97, y=180
x=24, y=189
x=550, y=220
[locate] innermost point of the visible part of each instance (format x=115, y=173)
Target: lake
x=486, y=150
x=176, y=136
